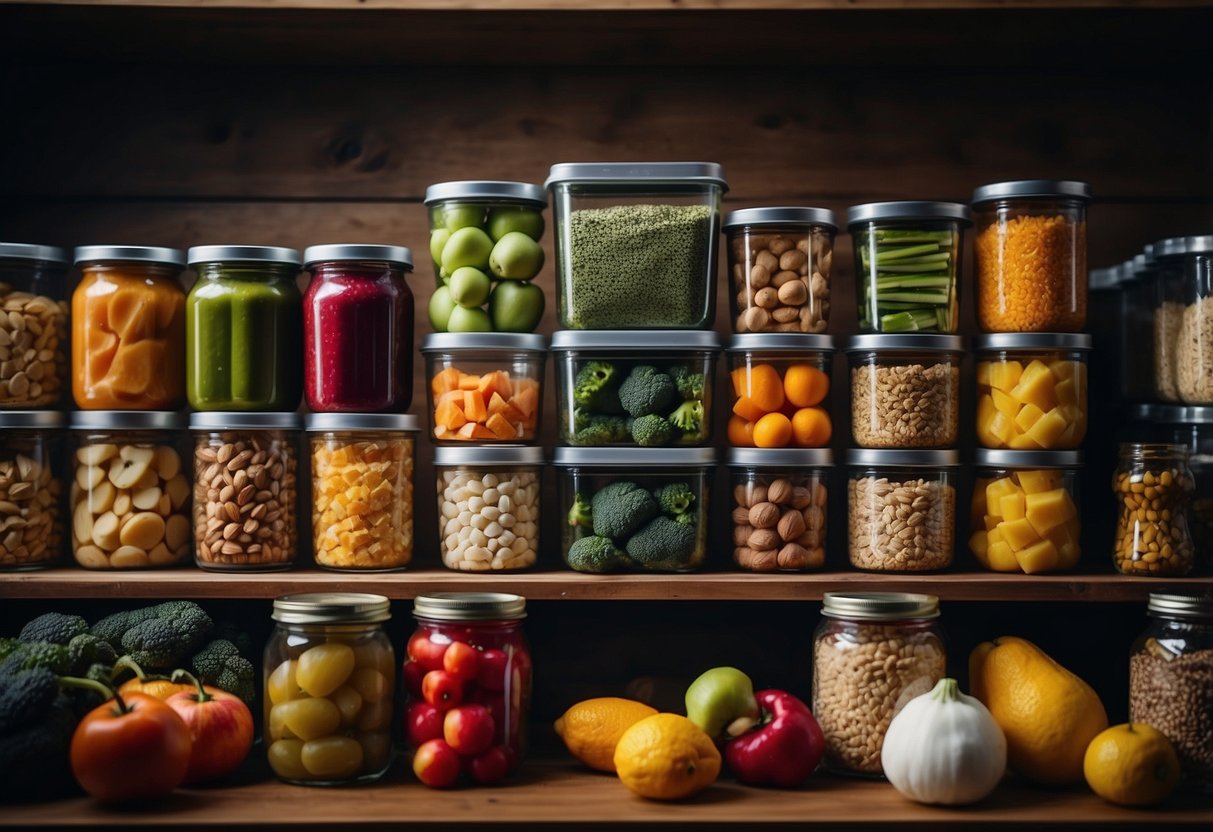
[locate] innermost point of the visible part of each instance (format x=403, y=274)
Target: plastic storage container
x=1032, y=390
x=330, y=673
x=1104, y=301
x=488, y=507
x=1025, y=515
x=33, y=326
x=1188, y=262
x=245, y=490
x=636, y=243
x=243, y=320
x=635, y=508
x=905, y=390
x=1168, y=281
x=1137, y=330
x=907, y=265
x=779, y=507
x=779, y=268
x=128, y=329
x=1031, y=255
x=31, y=489
x=1191, y=427
x=1153, y=487
x=660, y=381
x=780, y=389
x=358, y=329
x=872, y=652
x=484, y=387
x=362, y=489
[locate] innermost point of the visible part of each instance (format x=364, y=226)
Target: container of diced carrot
x=484, y=387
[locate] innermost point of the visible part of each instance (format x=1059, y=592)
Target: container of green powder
x=636, y=243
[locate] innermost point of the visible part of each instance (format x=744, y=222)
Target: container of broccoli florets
x=636, y=243
x=637, y=509
x=649, y=389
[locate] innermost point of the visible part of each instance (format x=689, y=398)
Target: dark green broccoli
x=25, y=695
x=86, y=650
x=595, y=387
x=220, y=664
x=233, y=633
x=690, y=385
x=582, y=513
x=54, y=627
x=662, y=544
x=35, y=757
x=675, y=498
x=164, y=641
x=688, y=518
x=595, y=554
x=646, y=391
x=620, y=508
x=32, y=654
x=113, y=627
x=591, y=429
x=8, y=646
x=688, y=418
x=651, y=431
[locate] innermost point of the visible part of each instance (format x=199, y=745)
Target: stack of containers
x=636, y=248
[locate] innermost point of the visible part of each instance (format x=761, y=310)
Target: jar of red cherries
x=468, y=677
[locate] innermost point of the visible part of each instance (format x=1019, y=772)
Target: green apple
x=718, y=697
x=516, y=257
x=467, y=247
x=468, y=320
x=525, y=220
x=516, y=306
x=440, y=308
x=470, y=287
x=456, y=215
x=438, y=238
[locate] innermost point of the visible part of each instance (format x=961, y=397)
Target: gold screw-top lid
x=332, y=608
x=1180, y=606
x=879, y=606
x=469, y=606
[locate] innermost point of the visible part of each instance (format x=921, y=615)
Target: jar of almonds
x=31, y=522
x=244, y=490
x=33, y=325
x=1154, y=487
x=778, y=506
x=130, y=492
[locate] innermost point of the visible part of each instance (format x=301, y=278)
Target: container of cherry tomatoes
x=780, y=390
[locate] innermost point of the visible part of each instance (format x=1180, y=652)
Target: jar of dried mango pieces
x=362, y=489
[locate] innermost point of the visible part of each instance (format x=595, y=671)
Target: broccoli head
x=675, y=498
x=620, y=508
x=8, y=646
x=220, y=664
x=25, y=694
x=690, y=385
x=34, y=654
x=86, y=650
x=54, y=627
x=582, y=513
x=113, y=627
x=166, y=640
x=35, y=756
x=646, y=391
x=590, y=429
x=595, y=554
x=595, y=387
x=651, y=431
x=688, y=518
x=688, y=419
x=663, y=544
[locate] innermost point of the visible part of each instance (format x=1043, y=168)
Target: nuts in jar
x=33, y=325
x=31, y=524
x=905, y=390
x=488, y=507
x=1153, y=485
x=779, y=509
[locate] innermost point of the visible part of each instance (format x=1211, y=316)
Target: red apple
x=442, y=690
x=468, y=729
x=422, y=723
x=428, y=651
x=413, y=674
x=491, y=766
x=436, y=764
x=492, y=669
x=462, y=661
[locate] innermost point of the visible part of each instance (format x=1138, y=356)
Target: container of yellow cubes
x=1025, y=511
x=1032, y=390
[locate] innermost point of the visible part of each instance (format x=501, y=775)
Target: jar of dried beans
x=905, y=390
x=31, y=488
x=1153, y=486
x=33, y=325
x=779, y=508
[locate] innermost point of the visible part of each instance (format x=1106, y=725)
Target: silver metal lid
x=1184, y=246
x=1033, y=340
x=487, y=189
x=130, y=254
x=1022, y=188
x=462, y=341
x=1103, y=279
x=242, y=254
x=643, y=340
x=909, y=210
x=1180, y=606
x=646, y=173
x=332, y=608
x=317, y=422
x=1172, y=414
x=488, y=455
x=988, y=458
x=877, y=342
x=781, y=215
x=32, y=419
x=781, y=457
x=635, y=457
x=220, y=420
x=331, y=252
x=29, y=251
x=882, y=457
x=780, y=342
x=128, y=420
x=1141, y=266
x=470, y=606
x=879, y=606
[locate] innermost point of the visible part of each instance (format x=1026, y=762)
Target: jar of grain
x=1167, y=279
x=1137, y=329
x=901, y=509
x=1171, y=681
x=780, y=387
x=779, y=508
x=1031, y=255
x=245, y=490
x=362, y=489
x=905, y=390
x=872, y=653
x=1189, y=261
x=1153, y=486
x=31, y=489
x=33, y=326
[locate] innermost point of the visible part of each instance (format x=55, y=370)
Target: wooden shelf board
x=632, y=5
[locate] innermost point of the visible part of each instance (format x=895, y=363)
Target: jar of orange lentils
x=1031, y=255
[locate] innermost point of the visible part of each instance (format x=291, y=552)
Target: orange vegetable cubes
x=1025, y=521
x=1035, y=404
x=493, y=407
x=774, y=410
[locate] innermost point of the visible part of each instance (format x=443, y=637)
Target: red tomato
x=221, y=728
x=130, y=749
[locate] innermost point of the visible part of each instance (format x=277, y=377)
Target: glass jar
x=33, y=326
x=1031, y=255
x=1137, y=329
x=593, y=368
x=1032, y=390
x=779, y=508
x=907, y=265
x=1167, y=274
x=901, y=509
x=636, y=243
x=779, y=267
x=242, y=327
x=1104, y=305
x=1188, y=261
x=905, y=390
x=666, y=498
x=496, y=666
x=362, y=489
x=1153, y=487
x=872, y=653
x=244, y=490
x=128, y=329
x=1171, y=681
x=781, y=383
x=1192, y=427
x=1025, y=514
x=130, y=493
x=329, y=676
x=31, y=489
x=484, y=386
x=358, y=329
x=488, y=507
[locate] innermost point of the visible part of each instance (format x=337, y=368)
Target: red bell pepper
x=782, y=749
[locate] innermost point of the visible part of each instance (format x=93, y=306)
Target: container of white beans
x=488, y=507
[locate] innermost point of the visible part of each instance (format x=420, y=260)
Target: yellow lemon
x=1132, y=764
x=666, y=757
x=592, y=728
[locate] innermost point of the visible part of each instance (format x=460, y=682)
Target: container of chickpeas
x=330, y=672
x=31, y=487
x=362, y=489
x=1153, y=486
x=778, y=508
x=488, y=507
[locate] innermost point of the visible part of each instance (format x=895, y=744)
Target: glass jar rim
x=225, y=255
x=469, y=606
x=879, y=606
x=332, y=608
x=1169, y=605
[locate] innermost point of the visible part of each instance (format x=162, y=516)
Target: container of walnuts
x=778, y=508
